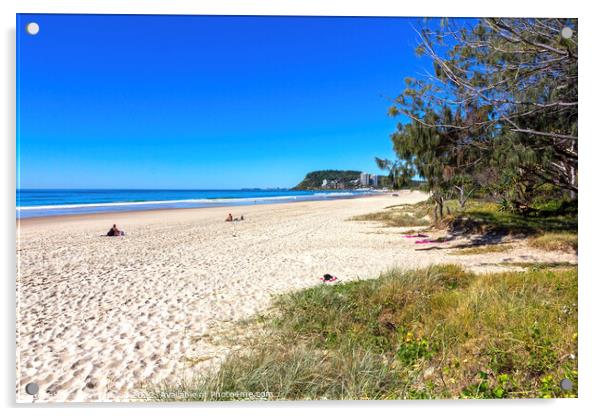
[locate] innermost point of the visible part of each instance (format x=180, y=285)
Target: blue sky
x=205, y=102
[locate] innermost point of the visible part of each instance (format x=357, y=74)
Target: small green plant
x=485, y=388
x=505, y=205
x=412, y=349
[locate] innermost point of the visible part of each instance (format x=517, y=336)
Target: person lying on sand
x=115, y=232
x=229, y=218
x=328, y=278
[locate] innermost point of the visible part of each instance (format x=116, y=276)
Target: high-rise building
x=364, y=179
x=374, y=180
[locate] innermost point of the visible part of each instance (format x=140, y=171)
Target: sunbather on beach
x=115, y=232
x=229, y=218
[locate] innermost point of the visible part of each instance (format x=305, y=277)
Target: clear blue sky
x=205, y=102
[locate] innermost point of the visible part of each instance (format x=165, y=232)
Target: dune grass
x=402, y=215
x=394, y=219
x=542, y=265
x=555, y=242
x=439, y=332
x=482, y=249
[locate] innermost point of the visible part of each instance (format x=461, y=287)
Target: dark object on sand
x=115, y=232
x=394, y=194
x=415, y=236
x=428, y=241
x=328, y=278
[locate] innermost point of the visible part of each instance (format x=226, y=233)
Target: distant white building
x=324, y=183
x=364, y=179
x=374, y=180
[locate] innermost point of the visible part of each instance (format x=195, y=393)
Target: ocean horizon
x=51, y=202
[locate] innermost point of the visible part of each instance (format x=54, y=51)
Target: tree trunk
x=438, y=209
x=573, y=173
x=461, y=199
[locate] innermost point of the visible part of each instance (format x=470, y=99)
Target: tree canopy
x=500, y=107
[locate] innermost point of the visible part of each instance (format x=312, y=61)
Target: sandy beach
x=99, y=318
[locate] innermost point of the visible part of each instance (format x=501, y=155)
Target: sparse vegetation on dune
x=487, y=217
x=555, y=242
x=402, y=215
x=439, y=332
x=545, y=229
x=549, y=228
x=542, y=265
x=394, y=219
x=483, y=249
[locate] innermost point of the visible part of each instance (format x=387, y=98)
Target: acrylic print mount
x=292, y=208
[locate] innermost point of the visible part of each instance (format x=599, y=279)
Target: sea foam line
x=184, y=201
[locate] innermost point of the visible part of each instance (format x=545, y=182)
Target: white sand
x=100, y=317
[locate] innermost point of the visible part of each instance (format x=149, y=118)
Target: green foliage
x=486, y=218
x=487, y=389
x=500, y=115
x=545, y=207
x=400, y=174
x=439, y=332
x=411, y=349
x=506, y=205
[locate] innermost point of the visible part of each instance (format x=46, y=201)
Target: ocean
x=48, y=202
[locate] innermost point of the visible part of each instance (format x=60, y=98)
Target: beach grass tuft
x=542, y=265
x=438, y=332
x=402, y=215
x=567, y=242
x=482, y=249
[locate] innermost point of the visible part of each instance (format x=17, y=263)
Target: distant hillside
x=313, y=180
